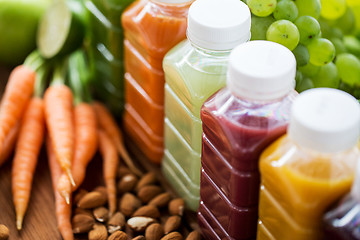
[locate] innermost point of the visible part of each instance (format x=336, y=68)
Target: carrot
x=17, y=94
x=63, y=186
x=59, y=120
x=108, y=124
x=110, y=165
x=26, y=154
x=85, y=140
x=63, y=210
x=9, y=143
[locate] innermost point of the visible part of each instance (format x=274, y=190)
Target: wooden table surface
x=40, y=221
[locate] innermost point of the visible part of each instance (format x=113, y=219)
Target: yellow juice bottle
x=311, y=167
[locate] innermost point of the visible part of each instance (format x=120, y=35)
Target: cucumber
x=62, y=29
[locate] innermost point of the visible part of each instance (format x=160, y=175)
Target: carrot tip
x=19, y=220
x=67, y=199
x=68, y=172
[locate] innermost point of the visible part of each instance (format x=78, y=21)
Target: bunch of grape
x=324, y=36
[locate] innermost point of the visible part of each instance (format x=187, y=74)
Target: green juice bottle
x=106, y=51
x=194, y=70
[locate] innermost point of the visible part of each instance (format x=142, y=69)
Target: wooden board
x=40, y=221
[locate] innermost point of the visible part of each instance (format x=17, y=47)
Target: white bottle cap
x=174, y=1
x=325, y=120
x=218, y=24
x=261, y=70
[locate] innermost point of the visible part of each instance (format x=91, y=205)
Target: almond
x=118, y=235
x=154, y=232
x=80, y=193
x=147, y=211
x=140, y=237
x=129, y=203
x=177, y=207
x=116, y=222
x=194, y=235
x=161, y=200
x=172, y=224
x=127, y=183
x=122, y=171
x=82, y=211
x=99, y=232
x=101, y=214
x=173, y=236
x=139, y=224
x=101, y=189
x=147, y=179
x=148, y=192
x=82, y=223
x=92, y=200
x=4, y=232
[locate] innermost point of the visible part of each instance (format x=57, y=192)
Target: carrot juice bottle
x=307, y=170
x=151, y=28
x=239, y=121
x=194, y=70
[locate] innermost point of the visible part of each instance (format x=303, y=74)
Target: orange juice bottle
x=151, y=29
x=311, y=167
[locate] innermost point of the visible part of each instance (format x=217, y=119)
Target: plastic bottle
x=194, y=70
x=343, y=221
x=106, y=51
x=311, y=167
x=239, y=121
x=152, y=28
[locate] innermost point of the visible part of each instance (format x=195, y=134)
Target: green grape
x=356, y=11
x=285, y=33
x=345, y=23
x=332, y=9
x=321, y=51
x=286, y=9
x=298, y=78
x=339, y=45
x=328, y=76
x=262, y=8
x=305, y=84
x=309, y=8
x=309, y=70
x=352, y=45
x=326, y=29
x=353, y=2
x=336, y=32
x=309, y=28
x=302, y=55
x=349, y=69
x=259, y=26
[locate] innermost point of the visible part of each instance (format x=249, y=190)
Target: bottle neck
x=234, y=90
x=209, y=52
x=170, y=9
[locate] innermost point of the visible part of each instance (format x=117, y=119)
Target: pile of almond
x=145, y=211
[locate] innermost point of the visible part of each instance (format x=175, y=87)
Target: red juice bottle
x=239, y=122
x=343, y=221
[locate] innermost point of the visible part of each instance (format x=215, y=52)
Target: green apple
x=18, y=26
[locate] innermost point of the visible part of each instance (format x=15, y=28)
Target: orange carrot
x=85, y=140
x=108, y=124
x=63, y=210
x=59, y=120
x=63, y=186
x=9, y=143
x=110, y=165
x=26, y=154
x=17, y=94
